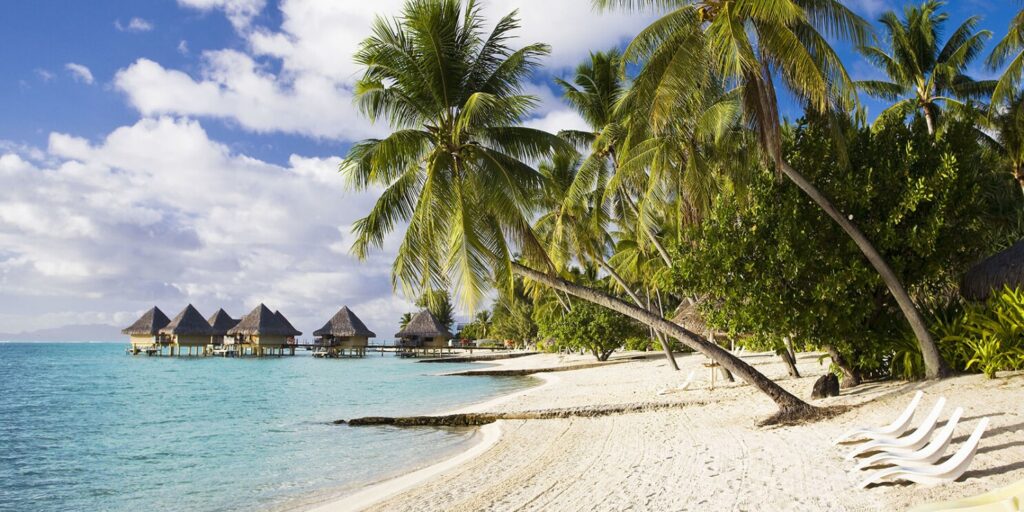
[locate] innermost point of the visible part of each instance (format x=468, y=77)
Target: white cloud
x=239, y=12
x=183, y=47
x=134, y=25
x=232, y=86
x=45, y=75
x=156, y=212
x=79, y=72
x=311, y=93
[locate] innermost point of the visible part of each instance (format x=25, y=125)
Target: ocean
x=85, y=427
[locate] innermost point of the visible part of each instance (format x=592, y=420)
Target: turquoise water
x=86, y=427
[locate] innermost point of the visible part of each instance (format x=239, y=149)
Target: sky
x=173, y=152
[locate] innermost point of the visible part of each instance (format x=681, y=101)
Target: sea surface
x=85, y=427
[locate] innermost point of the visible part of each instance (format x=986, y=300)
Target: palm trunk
x=789, y=405
x=935, y=367
x=789, y=357
x=629, y=291
x=929, y=120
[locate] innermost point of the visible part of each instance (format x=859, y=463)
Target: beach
x=699, y=449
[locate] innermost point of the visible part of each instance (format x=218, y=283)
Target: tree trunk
x=929, y=120
x=789, y=405
x=935, y=367
x=851, y=377
x=661, y=339
x=789, y=357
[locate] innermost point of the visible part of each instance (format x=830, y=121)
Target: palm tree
x=577, y=230
x=404, y=321
x=1010, y=49
x=747, y=45
x=454, y=169
x=922, y=75
x=1008, y=126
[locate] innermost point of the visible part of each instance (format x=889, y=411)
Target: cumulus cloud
x=134, y=25
x=79, y=72
x=158, y=213
x=310, y=92
x=239, y=12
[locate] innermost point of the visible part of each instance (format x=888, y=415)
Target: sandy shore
x=707, y=454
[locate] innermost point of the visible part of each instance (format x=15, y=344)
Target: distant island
x=81, y=332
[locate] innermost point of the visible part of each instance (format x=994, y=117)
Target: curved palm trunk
x=935, y=367
x=661, y=339
x=789, y=405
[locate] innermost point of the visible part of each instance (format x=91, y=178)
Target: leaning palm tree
x=924, y=76
x=454, y=168
x=749, y=45
x=1009, y=50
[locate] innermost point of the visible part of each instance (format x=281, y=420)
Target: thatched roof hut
x=221, y=323
x=688, y=315
x=1005, y=268
x=263, y=322
x=295, y=332
x=344, y=324
x=424, y=325
x=149, y=324
x=188, y=322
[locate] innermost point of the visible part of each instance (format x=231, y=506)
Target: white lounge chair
x=926, y=456
x=946, y=472
x=1005, y=499
x=914, y=441
x=681, y=387
x=892, y=430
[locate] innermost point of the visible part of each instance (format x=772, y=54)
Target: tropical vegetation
x=674, y=196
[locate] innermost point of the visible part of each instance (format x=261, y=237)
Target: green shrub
x=986, y=337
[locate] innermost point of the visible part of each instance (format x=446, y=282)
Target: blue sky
x=166, y=152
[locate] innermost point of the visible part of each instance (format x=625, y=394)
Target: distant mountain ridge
x=83, y=332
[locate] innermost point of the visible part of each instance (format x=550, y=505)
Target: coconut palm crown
x=922, y=74
x=455, y=166
x=1009, y=51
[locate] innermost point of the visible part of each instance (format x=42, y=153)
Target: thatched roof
x=424, y=325
x=295, y=332
x=148, y=324
x=688, y=315
x=1005, y=268
x=263, y=322
x=189, y=321
x=221, y=323
x=344, y=323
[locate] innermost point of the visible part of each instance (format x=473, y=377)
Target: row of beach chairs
x=914, y=454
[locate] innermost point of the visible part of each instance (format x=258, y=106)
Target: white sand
x=697, y=457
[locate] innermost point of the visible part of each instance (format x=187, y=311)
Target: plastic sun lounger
x=926, y=456
x=946, y=472
x=681, y=387
x=1009, y=498
x=892, y=430
x=917, y=439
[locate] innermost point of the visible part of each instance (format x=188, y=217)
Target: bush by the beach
x=590, y=327
x=778, y=267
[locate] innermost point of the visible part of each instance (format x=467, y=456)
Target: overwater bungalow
x=144, y=335
x=344, y=335
x=263, y=332
x=188, y=333
x=423, y=334
x=220, y=324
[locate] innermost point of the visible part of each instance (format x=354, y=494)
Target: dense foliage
x=776, y=267
x=592, y=328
